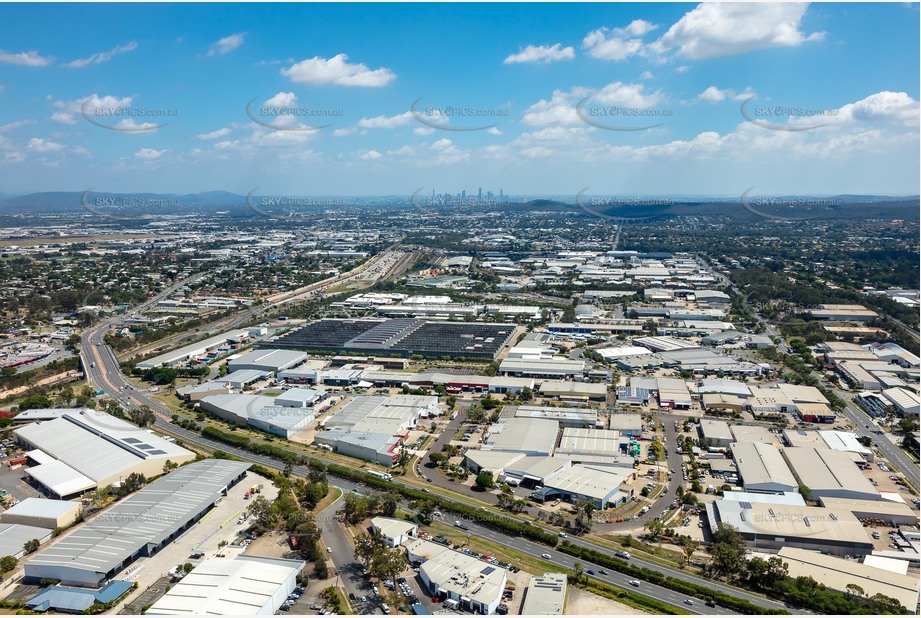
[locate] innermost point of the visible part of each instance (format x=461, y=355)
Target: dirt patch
x=579, y=601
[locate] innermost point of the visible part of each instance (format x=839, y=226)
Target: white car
x=635, y=583
x=546, y=556
x=329, y=550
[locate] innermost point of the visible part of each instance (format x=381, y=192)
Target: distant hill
x=142, y=205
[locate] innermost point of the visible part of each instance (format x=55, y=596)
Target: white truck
x=381, y=475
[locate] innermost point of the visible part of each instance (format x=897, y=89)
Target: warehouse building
x=905, y=401
x=725, y=403
x=566, y=390
x=42, y=513
x=843, y=313
x=566, y=417
x=243, y=378
x=546, y=595
x=763, y=468
x=244, y=586
x=895, y=354
x=393, y=415
x=202, y=351
x=282, y=416
x=838, y=574
x=13, y=538
x=892, y=513
x=472, y=584
x=828, y=474
x=714, y=433
x=599, y=485
x=771, y=527
x=403, y=336
x=394, y=531
x=141, y=525
x=531, y=436
x=627, y=425
x=556, y=368
x=722, y=386
x=673, y=394
x=754, y=433
x=82, y=450
x=599, y=442
x=375, y=447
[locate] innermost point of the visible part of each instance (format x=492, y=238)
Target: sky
x=533, y=99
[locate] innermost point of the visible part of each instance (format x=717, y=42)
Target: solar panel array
x=403, y=336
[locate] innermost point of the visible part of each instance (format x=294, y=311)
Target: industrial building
x=600, y=442
x=203, y=351
x=599, y=485
x=140, y=525
x=555, y=368
x=403, y=336
x=566, y=417
x=373, y=427
x=472, y=584
x=284, y=415
x=567, y=390
x=763, y=468
x=828, y=474
x=905, y=401
x=838, y=574
x=244, y=586
x=771, y=527
x=84, y=449
x=531, y=436
x=754, y=433
x=42, y=513
x=546, y=595
x=714, y=433
x=13, y=538
x=843, y=313
x=893, y=513
x=843, y=441
x=394, y=531
x=627, y=425
x=242, y=378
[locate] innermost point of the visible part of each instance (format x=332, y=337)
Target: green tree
x=31, y=545
x=484, y=480
x=727, y=552
x=142, y=416
x=7, y=564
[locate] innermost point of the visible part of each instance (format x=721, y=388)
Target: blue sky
x=638, y=99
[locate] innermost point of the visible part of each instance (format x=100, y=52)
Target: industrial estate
x=460, y=399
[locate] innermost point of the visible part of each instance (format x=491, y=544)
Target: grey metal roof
x=14, y=536
x=147, y=517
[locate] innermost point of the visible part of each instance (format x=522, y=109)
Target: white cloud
x=15, y=125
x=617, y=43
x=102, y=56
x=646, y=75
x=218, y=133
x=371, y=155
x=386, y=122
x=225, y=45
x=38, y=144
x=713, y=95
x=149, y=154
x=130, y=124
x=559, y=110
x=718, y=29
x=493, y=131
x=894, y=107
x=337, y=70
x=344, y=132
x=63, y=118
x=544, y=54
x=682, y=69
x=282, y=99
x=423, y=131
x=26, y=59
x=627, y=95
